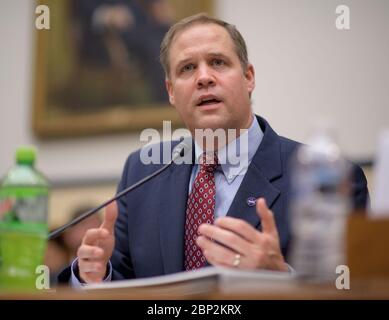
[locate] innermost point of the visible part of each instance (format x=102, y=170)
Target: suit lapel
x=254, y=185
x=174, y=187
x=264, y=168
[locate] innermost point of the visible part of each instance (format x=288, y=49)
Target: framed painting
x=97, y=67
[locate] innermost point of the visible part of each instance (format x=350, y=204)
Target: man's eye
x=187, y=67
x=218, y=62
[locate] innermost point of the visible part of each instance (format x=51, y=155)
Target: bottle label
x=6, y=206
x=24, y=209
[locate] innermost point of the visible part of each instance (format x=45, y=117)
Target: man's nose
x=205, y=77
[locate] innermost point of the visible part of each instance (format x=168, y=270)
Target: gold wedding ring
x=236, y=261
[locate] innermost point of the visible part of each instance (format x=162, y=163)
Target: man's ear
x=169, y=88
x=250, y=78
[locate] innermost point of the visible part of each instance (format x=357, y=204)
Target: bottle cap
x=26, y=155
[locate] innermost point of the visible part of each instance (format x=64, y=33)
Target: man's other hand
x=233, y=242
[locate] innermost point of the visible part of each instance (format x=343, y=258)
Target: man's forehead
x=209, y=38
x=197, y=30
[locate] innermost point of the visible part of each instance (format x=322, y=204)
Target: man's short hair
x=202, y=18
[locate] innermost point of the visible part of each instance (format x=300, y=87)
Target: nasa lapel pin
x=251, y=201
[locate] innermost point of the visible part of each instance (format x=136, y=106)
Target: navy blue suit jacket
x=150, y=227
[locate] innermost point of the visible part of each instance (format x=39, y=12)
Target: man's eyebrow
x=218, y=55
x=182, y=62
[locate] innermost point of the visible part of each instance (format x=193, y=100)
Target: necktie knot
x=209, y=162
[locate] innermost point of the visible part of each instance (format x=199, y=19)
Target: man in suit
x=161, y=227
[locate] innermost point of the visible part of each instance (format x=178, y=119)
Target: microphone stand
x=178, y=151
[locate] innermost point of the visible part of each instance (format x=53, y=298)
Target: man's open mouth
x=204, y=102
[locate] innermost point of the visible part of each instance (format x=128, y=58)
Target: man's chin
x=212, y=122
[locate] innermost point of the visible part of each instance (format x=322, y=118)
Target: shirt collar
x=228, y=156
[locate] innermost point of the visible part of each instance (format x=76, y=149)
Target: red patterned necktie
x=200, y=209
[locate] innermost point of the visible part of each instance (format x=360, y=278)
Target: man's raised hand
x=97, y=247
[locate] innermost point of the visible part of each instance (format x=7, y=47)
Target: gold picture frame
x=73, y=97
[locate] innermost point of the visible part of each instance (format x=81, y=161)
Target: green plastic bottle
x=23, y=222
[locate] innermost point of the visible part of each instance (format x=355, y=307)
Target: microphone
x=178, y=151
